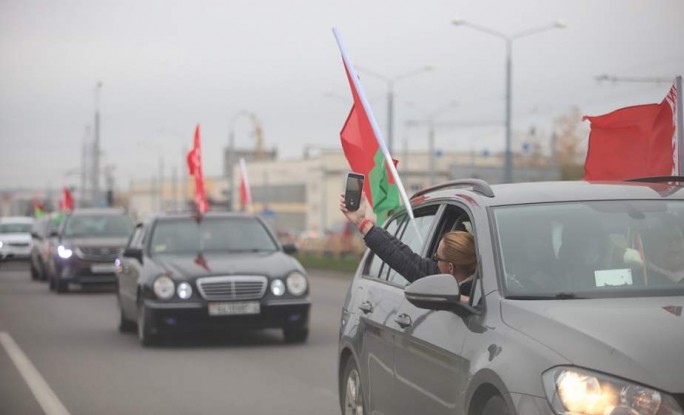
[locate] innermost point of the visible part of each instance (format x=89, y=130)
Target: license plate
x=102, y=268
x=229, y=309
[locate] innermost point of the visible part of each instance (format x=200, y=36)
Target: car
x=42, y=244
x=569, y=312
x=87, y=243
x=15, y=237
x=227, y=271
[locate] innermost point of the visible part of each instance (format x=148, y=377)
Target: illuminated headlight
x=184, y=290
x=164, y=287
x=296, y=283
x=277, y=287
x=1, y=244
x=582, y=392
x=64, y=252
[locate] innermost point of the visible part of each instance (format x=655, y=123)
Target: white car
x=15, y=237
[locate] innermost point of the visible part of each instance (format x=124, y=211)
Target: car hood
x=96, y=242
x=640, y=339
x=15, y=237
x=269, y=264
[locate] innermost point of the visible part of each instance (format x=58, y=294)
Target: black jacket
x=402, y=259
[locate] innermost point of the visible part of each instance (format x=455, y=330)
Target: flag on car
x=67, y=202
x=245, y=193
x=194, y=160
x=633, y=142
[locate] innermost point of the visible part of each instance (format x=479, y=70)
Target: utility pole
x=84, y=167
x=95, y=174
x=160, y=185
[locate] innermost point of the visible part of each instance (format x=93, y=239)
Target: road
x=88, y=367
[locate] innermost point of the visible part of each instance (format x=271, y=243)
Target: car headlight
x=184, y=290
x=277, y=287
x=296, y=283
x=164, y=287
x=1, y=244
x=583, y=392
x=64, y=252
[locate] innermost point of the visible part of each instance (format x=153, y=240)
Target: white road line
x=41, y=390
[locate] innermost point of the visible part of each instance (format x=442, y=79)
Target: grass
x=329, y=263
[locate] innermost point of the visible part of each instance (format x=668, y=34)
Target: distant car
x=576, y=306
x=42, y=244
x=15, y=237
x=227, y=271
x=87, y=243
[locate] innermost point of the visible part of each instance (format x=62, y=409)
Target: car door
x=128, y=272
x=429, y=372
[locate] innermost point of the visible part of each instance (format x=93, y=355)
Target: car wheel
x=147, y=338
x=353, y=403
x=298, y=335
x=61, y=286
x=495, y=405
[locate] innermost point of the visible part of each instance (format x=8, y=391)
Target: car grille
x=232, y=288
x=18, y=244
x=98, y=253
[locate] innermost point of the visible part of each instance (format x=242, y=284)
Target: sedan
x=179, y=274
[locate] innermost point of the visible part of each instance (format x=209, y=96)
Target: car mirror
x=134, y=253
x=290, y=248
x=437, y=292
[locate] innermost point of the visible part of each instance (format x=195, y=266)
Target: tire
x=145, y=335
x=61, y=287
x=298, y=335
x=352, y=402
x=495, y=405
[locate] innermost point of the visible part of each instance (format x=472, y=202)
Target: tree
x=570, y=144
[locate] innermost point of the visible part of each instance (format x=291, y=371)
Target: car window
x=83, y=226
x=374, y=265
x=15, y=227
x=414, y=237
x=137, y=238
x=607, y=248
x=186, y=236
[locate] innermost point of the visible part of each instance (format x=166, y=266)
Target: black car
x=227, y=270
x=87, y=243
x=576, y=306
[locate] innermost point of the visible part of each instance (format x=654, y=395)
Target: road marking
x=41, y=390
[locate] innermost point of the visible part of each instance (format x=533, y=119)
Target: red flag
x=67, y=202
x=633, y=142
x=195, y=168
x=245, y=193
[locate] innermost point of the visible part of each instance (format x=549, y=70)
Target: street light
x=390, y=94
x=508, y=166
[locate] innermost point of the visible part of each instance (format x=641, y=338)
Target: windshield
x=592, y=249
x=15, y=228
x=98, y=226
x=186, y=236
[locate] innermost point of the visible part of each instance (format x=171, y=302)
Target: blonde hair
x=459, y=249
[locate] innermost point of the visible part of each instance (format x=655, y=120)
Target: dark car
x=226, y=271
x=42, y=245
x=87, y=243
x=576, y=306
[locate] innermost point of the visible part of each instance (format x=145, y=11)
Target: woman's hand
x=355, y=216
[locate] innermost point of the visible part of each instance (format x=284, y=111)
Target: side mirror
x=135, y=253
x=290, y=248
x=437, y=292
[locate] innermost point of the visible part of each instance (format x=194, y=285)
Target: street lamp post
x=95, y=174
x=390, y=95
x=508, y=157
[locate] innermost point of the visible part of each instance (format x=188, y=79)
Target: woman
x=455, y=253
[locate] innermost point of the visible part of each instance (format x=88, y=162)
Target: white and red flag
x=245, y=192
x=195, y=168
x=634, y=142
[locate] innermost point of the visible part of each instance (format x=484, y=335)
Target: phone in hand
x=353, y=190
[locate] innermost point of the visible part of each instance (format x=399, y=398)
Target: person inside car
x=664, y=250
x=455, y=253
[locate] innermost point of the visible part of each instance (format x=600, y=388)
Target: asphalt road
x=70, y=351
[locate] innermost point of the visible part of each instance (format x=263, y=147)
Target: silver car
x=576, y=307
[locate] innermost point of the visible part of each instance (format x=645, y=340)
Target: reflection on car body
x=227, y=271
x=572, y=309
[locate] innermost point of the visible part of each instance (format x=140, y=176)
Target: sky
x=166, y=66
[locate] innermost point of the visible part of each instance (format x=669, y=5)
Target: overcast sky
x=167, y=65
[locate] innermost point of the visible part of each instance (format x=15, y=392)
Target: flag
x=194, y=159
x=633, y=142
x=245, y=193
x=38, y=208
x=67, y=202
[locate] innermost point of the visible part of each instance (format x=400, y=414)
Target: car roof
x=16, y=219
x=482, y=194
x=185, y=215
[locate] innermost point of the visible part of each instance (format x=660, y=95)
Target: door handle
x=403, y=320
x=366, y=307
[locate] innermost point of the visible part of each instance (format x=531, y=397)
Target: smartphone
x=352, y=190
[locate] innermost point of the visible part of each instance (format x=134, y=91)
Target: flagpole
x=376, y=130
x=679, y=124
